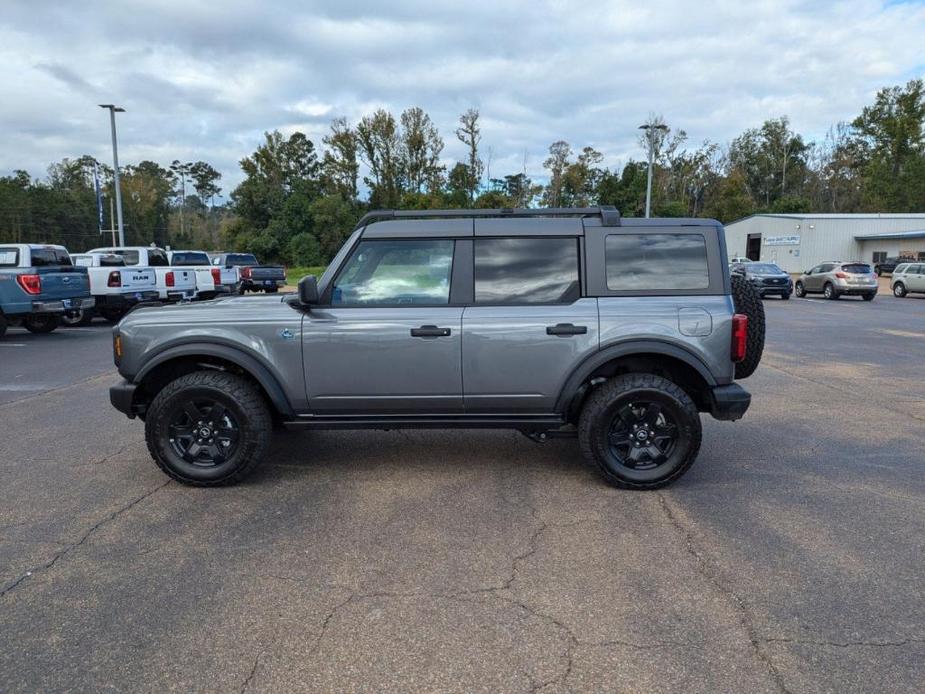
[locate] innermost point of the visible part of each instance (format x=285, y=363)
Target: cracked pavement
x=789, y=559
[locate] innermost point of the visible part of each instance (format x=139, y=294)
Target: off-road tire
x=899, y=290
x=40, y=324
x=599, y=411
x=746, y=300
x=799, y=290
x=829, y=291
x=240, y=397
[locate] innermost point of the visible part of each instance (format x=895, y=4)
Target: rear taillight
x=246, y=273
x=168, y=279
x=31, y=284
x=739, y=336
x=216, y=275
x=115, y=279
x=841, y=275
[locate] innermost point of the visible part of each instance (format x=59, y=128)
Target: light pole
x=113, y=109
x=650, y=140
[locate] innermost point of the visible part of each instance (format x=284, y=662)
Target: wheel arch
x=180, y=359
x=639, y=356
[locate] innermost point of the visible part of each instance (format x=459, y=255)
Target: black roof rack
x=609, y=215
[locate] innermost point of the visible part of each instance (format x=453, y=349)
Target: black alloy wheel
x=642, y=435
x=203, y=432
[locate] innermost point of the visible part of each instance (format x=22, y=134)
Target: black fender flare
x=583, y=371
x=249, y=363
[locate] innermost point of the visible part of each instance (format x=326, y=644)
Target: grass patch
x=294, y=274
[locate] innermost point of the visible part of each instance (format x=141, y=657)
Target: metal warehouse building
x=797, y=242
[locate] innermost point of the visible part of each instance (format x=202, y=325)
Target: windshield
x=240, y=259
x=181, y=258
x=857, y=269
x=764, y=269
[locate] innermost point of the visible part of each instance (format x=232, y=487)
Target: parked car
x=210, y=280
x=38, y=285
x=886, y=267
x=736, y=259
x=254, y=277
x=115, y=288
x=555, y=323
x=908, y=277
x=836, y=279
x=766, y=278
x=173, y=284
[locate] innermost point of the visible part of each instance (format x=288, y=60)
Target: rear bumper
x=857, y=291
x=181, y=295
x=729, y=402
x=123, y=301
x=121, y=396
x=62, y=305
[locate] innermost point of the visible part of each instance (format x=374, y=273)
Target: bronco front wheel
x=640, y=430
x=208, y=428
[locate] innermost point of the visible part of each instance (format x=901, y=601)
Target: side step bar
x=528, y=423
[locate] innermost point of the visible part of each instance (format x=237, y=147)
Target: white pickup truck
x=173, y=284
x=210, y=281
x=115, y=287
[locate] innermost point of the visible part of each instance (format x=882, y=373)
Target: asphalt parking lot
x=791, y=558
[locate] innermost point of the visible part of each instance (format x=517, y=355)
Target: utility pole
x=651, y=133
x=113, y=109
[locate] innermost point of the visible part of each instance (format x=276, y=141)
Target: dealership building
x=797, y=242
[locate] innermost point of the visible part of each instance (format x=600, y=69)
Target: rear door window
x=654, y=262
x=524, y=270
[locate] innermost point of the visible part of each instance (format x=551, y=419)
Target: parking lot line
x=12, y=344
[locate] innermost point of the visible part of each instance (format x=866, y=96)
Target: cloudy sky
x=203, y=82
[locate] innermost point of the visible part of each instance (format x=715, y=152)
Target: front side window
x=655, y=262
x=413, y=272
x=526, y=270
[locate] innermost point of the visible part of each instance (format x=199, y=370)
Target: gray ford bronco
x=554, y=322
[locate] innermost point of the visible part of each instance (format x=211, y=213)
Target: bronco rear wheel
x=746, y=300
x=208, y=428
x=640, y=430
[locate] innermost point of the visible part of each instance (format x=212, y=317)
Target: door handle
x=566, y=329
x=430, y=331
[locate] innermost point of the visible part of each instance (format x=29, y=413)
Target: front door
x=388, y=342
x=528, y=325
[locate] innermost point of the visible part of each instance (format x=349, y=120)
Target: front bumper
x=62, y=305
x=121, y=395
x=729, y=402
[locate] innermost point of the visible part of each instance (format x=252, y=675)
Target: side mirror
x=308, y=290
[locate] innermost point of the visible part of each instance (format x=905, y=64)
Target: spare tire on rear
x=748, y=302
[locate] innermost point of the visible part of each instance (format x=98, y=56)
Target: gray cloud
x=204, y=81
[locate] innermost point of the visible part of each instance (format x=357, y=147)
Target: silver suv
x=908, y=277
x=561, y=322
x=836, y=279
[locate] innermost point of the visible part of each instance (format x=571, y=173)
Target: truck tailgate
x=182, y=279
x=63, y=282
x=138, y=278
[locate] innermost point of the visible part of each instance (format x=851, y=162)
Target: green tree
x=470, y=134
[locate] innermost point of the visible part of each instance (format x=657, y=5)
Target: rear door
x=915, y=277
x=528, y=325
x=388, y=339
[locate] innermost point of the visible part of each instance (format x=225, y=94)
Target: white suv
x=908, y=277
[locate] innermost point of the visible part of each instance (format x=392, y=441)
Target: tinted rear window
x=43, y=257
x=656, y=262
x=157, y=258
x=240, y=259
x=9, y=257
x=180, y=259
x=857, y=269
x=131, y=257
x=526, y=270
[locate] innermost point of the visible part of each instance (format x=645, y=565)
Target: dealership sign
x=792, y=240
